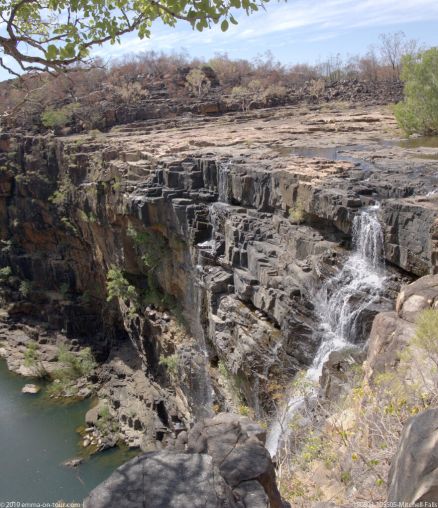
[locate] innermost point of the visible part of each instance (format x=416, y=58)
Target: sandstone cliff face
x=242, y=233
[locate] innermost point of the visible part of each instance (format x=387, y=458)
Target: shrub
x=243, y=95
x=5, y=273
x=55, y=118
x=65, y=188
x=31, y=354
x=426, y=336
x=297, y=213
x=76, y=365
x=25, y=288
x=62, y=388
x=275, y=91
x=32, y=359
x=170, y=363
x=246, y=95
x=64, y=289
x=105, y=422
x=118, y=287
x=418, y=112
x=317, y=87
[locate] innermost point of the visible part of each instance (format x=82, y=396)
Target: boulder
x=163, y=480
x=92, y=414
x=421, y=294
x=413, y=477
x=30, y=388
x=392, y=331
x=225, y=464
x=336, y=374
x=74, y=462
x=389, y=335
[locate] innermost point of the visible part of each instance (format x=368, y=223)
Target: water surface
x=36, y=436
x=420, y=142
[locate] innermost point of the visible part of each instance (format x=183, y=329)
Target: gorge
x=206, y=262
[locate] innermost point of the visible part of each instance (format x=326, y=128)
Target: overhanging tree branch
x=51, y=35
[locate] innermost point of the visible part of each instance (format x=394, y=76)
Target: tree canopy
x=418, y=112
x=54, y=34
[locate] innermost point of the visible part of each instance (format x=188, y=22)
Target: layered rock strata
x=242, y=228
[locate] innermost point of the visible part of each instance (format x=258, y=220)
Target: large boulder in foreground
x=413, y=477
x=221, y=463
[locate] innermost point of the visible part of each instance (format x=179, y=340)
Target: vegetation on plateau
x=103, y=95
x=418, y=112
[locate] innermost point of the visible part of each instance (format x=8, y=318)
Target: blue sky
x=296, y=31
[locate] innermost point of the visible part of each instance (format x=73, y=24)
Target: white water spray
x=223, y=182
x=338, y=305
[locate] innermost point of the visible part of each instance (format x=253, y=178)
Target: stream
x=36, y=436
x=339, y=304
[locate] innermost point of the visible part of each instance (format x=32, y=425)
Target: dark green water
x=36, y=435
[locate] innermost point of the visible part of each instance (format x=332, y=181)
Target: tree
x=54, y=34
x=249, y=94
x=418, y=112
x=393, y=47
x=198, y=82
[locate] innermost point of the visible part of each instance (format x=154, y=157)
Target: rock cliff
x=241, y=228
x=215, y=234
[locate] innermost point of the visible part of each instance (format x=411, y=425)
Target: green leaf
x=224, y=25
x=52, y=52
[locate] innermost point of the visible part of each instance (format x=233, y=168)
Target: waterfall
x=223, y=182
x=338, y=305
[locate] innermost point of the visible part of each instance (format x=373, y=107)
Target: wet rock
x=337, y=376
x=74, y=462
x=30, y=388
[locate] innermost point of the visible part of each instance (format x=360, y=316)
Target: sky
x=294, y=32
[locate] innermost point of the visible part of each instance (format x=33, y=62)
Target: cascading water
x=223, y=184
x=216, y=215
x=338, y=304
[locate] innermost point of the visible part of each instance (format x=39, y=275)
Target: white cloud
x=310, y=20
x=295, y=22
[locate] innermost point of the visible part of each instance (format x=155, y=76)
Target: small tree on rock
x=418, y=112
x=198, y=82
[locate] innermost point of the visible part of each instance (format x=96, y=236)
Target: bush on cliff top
x=418, y=113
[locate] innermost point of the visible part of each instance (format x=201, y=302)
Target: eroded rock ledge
x=250, y=227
